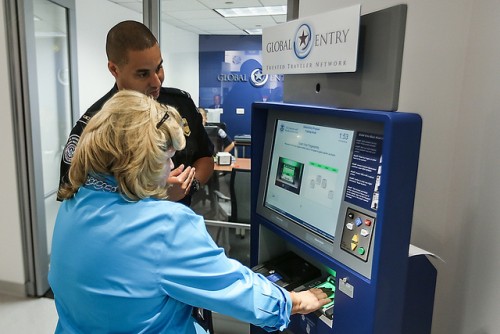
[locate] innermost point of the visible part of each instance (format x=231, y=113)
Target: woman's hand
x=179, y=182
x=305, y=302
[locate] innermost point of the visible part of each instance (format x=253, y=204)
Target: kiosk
x=332, y=205
x=333, y=184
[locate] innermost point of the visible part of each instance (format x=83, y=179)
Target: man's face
x=143, y=71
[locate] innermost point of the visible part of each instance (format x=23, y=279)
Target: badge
x=185, y=125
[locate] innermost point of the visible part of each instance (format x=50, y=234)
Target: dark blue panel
x=381, y=303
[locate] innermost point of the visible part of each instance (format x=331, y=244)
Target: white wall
x=451, y=76
x=11, y=255
x=180, y=50
x=92, y=26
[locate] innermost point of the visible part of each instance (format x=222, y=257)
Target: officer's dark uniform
x=198, y=145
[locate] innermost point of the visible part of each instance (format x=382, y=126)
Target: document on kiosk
x=415, y=251
x=308, y=173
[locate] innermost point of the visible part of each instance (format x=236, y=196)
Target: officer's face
x=143, y=71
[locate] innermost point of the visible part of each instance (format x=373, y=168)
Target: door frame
x=26, y=122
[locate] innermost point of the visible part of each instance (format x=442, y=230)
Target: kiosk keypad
x=357, y=234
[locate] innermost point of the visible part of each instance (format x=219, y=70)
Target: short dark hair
x=125, y=36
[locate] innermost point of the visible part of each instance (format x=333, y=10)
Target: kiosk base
x=418, y=301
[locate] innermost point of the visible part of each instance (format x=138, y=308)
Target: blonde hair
x=125, y=140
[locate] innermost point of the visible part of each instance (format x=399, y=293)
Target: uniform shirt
x=138, y=267
x=198, y=145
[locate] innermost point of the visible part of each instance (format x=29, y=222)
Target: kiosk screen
x=307, y=173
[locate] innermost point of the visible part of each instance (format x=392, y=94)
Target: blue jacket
x=139, y=267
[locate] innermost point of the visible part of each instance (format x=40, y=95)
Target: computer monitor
x=213, y=134
x=314, y=171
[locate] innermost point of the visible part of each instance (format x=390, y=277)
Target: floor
x=38, y=315
x=27, y=315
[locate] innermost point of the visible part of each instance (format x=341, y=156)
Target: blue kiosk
x=332, y=202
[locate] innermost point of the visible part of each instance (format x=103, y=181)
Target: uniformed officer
x=134, y=59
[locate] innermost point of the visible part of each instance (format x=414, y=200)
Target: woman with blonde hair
x=125, y=260
x=132, y=143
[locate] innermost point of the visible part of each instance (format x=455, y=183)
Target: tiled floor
x=27, y=315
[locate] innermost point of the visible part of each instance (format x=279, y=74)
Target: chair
x=239, y=187
x=236, y=208
x=212, y=130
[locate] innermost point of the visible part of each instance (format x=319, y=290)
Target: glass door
x=46, y=104
x=54, y=98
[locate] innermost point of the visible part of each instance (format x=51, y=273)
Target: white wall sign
x=316, y=44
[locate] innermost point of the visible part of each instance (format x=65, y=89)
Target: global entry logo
x=257, y=78
x=302, y=44
x=325, y=43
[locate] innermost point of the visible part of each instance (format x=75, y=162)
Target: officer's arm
x=204, y=168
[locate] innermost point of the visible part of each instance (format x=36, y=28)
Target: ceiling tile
x=198, y=16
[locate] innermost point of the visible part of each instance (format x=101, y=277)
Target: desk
x=242, y=163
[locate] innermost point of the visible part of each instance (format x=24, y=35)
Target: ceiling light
x=255, y=31
x=251, y=11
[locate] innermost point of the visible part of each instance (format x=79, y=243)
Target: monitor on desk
x=213, y=134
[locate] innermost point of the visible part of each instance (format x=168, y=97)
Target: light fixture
x=251, y=11
x=255, y=31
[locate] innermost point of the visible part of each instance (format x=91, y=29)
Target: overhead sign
x=316, y=44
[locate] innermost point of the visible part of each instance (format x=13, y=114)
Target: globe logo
x=302, y=44
x=257, y=78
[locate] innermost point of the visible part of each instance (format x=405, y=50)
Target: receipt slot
x=332, y=205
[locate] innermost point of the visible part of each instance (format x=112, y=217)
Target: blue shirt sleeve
x=194, y=270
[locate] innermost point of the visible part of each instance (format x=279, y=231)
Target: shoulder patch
x=70, y=148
